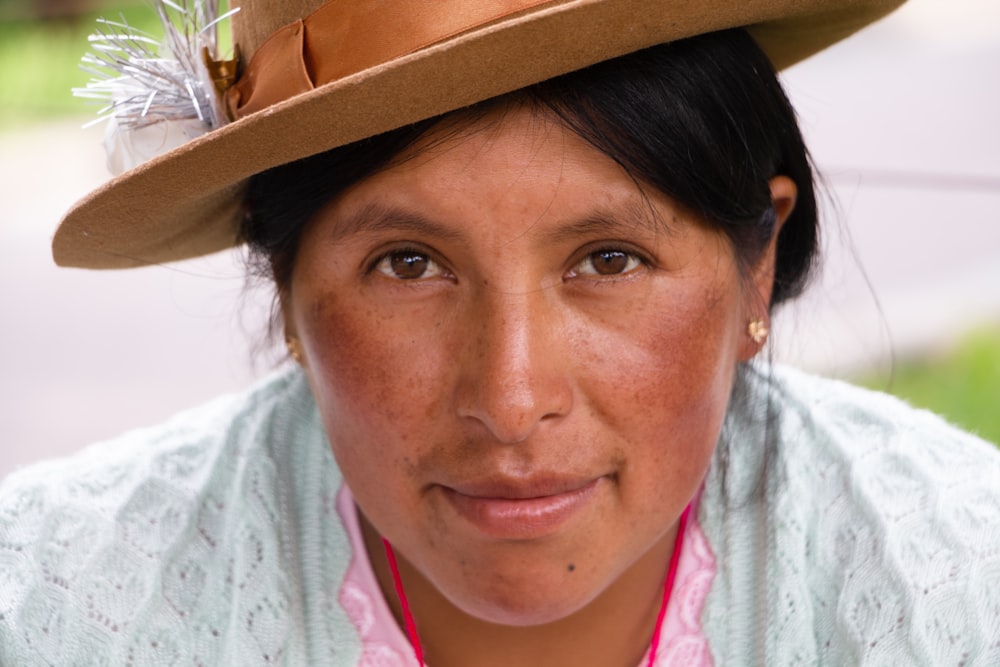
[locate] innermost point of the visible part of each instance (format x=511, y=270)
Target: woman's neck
x=614, y=629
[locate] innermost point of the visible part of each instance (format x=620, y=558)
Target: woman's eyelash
x=406, y=263
x=414, y=263
x=609, y=260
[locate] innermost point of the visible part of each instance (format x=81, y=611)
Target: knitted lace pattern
x=847, y=529
x=850, y=529
x=211, y=540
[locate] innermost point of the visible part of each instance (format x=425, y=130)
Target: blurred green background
x=41, y=44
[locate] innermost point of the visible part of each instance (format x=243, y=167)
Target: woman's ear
x=761, y=276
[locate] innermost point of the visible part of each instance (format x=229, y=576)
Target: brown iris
x=409, y=265
x=609, y=262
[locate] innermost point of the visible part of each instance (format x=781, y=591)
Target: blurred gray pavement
x=902, y=121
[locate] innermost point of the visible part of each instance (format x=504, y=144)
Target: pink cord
x=411, y=627
x=668, y=587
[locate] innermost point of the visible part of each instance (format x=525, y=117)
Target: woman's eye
x=607, y=262
x=408, y=265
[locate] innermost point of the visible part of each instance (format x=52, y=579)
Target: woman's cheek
x=376, y=373
x=669, y=356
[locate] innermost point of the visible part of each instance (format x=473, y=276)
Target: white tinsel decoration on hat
x=157, y=94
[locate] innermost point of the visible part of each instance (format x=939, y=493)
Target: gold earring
x=757, y=330
x=293, y=349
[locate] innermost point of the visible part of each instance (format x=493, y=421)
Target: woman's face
x=521, y=359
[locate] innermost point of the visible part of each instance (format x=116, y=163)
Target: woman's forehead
x=515, y=160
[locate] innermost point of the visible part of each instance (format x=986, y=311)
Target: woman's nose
x=515, y=370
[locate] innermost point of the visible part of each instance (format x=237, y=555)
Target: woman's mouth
x=521, y=511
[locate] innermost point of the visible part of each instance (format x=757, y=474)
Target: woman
x=524, y=425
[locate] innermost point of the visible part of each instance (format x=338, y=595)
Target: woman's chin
x=519, y=615
x=522, y=606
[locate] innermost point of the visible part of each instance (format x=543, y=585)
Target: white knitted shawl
x=847, y=527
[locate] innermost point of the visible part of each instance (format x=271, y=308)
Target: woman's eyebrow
x=627, y=221
x=376, y=217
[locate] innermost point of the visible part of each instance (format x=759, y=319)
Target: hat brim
x=187, y=202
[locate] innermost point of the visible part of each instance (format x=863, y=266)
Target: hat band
x=344, y=37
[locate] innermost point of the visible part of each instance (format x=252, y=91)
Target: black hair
x=704, y=120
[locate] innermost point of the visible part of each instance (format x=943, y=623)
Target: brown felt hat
x=316, y=75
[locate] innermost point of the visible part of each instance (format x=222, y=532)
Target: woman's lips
x=521, y=511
